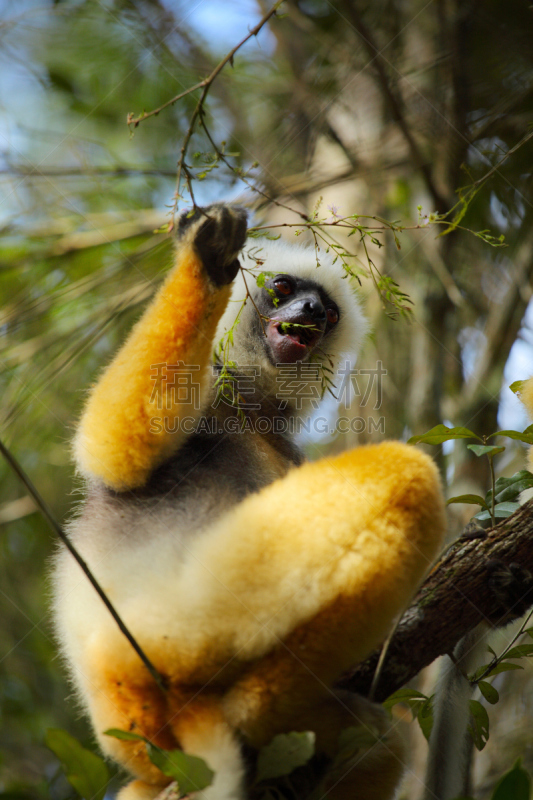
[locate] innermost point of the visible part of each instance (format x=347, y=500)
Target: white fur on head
x=343, y=343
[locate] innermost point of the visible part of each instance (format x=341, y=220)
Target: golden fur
x=253, y=617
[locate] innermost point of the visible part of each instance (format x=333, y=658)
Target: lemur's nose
x=312, y=305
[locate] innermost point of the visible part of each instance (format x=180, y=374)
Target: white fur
x=221, y=751
x=152, y=565
x=304, y=262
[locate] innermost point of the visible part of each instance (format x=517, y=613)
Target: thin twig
x=205, y=85
x=497, y=166
x=47, y=513
x=67, y=172
x=341, y=224
x=198, y=111
x=249, y=296
x=498, y=659
x=493, y=486
x=131, y=120
x=244, y=178
x=382, y=657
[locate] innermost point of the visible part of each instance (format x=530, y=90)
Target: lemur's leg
x=116, y=441
x=345, y=558
x=202, y=731
x=273, y=602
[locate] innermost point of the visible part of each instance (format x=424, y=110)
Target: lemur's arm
x=116, y=441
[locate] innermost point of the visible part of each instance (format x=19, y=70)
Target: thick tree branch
x=453, y=600
x=394, y=103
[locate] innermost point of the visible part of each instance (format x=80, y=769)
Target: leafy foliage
x=514, y=785
x=285, y=753
x=479, y=724
x=86, y=772
x=498, y=502
x=421, y=707
x=191, y=773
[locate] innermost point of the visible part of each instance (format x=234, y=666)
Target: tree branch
x=56, y=527
x=394, y=104
x=455, y=598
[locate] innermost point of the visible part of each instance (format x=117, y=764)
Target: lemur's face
x=297, y=316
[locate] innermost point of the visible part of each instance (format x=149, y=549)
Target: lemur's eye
x=283, y=286
x=332, y=315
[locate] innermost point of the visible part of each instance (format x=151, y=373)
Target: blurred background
x=378, y=108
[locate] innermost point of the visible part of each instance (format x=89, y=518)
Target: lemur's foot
x=512, y=585
x=218, y=233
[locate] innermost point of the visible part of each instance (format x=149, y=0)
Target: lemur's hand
x=218, y=233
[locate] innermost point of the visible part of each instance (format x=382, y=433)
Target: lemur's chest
x=211, y=473
x=230, y=459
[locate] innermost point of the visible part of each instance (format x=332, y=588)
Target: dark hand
x=218, y=234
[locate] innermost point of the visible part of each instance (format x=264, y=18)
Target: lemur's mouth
x=303, y=334
x=291, y=341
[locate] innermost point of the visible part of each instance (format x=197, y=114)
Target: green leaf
x=284, y=753
x=515, y=785
x=410, y=697
x=479, y=730
x=440, y=434
x=425, y=717
x=191, y=772
x=510, y=488
x=125, y=735
x=489, y=692
x=503, y=667
x=526, y=436
x=505, y=509
x=86, y=772
x=520, y=651
x=473, y=499
x=352, y=740
x=501, y=511
x=517, y=386
x=479, y=671
x=260, y=279
x=485, y=449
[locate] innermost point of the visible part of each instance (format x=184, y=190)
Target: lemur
x=251, y=578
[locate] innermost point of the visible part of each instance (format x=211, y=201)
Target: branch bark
x=454, y=599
